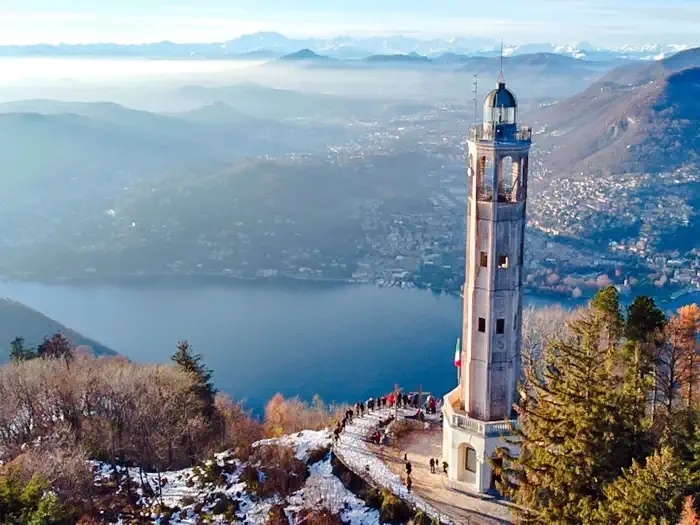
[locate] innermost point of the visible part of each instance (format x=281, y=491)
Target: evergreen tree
x=644, y=332
x=192, y=364
x=649, y=494
x=577, y=429
x=644, y=319
x=18, y=352
x=606, y=304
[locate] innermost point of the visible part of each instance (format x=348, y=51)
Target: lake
x=344, y=342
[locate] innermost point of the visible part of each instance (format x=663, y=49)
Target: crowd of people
x=398, y=400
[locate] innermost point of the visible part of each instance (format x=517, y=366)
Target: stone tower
x=478, y=412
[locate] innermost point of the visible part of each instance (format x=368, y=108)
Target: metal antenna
x=501, y=78
x=476, y=89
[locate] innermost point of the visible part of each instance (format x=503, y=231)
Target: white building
x=479, y=412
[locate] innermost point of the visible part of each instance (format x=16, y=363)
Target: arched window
x=508, y=175
x=485, y=189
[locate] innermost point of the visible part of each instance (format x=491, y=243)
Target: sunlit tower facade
x=477, y=414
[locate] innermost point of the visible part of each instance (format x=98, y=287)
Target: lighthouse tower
x=478, y=413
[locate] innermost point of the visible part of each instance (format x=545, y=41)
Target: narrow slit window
x=482, y=325
x=500, y=326
x=484, y=260
x=503, y=261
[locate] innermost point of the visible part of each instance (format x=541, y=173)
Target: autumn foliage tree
x=684, y=333
x=287, y=416
x=689, y=516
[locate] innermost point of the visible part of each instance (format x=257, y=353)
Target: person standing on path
x=432, y=466
x=409, y=468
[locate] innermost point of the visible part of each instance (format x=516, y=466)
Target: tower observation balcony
x=511, y=134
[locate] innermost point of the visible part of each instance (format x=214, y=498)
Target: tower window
x=500, y=326
x=484, y=260
x=482, y=325
x=503, y=261
x=470, y=460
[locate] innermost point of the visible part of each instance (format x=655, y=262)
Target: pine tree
x=644, y=331
x=192, y=364
x=18, y=352
x=577, y=428
x=649, y=494
x=606, y=304
x=644, y=319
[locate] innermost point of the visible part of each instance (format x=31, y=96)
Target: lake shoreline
x=187, y=282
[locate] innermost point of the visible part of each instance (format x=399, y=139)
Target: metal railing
x=460, y=419
x=517, y=134
x=486, y=193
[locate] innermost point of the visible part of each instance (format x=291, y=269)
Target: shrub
x=394, y=510
x=65, y=469
x=240, y=429
x=186, y=501
x=224, y=505
x=30, y=503
x=402, y=427
x=210, y=473
x=277, y=516
x=251, y=478
x=283, y=472
x=321, y=517
x=374, y=498
x=421, y=518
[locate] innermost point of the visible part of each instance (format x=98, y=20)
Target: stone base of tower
x=467, y=445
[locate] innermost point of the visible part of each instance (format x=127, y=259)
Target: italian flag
x=458, y=356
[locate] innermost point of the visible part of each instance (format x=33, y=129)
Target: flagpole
x=458, y=351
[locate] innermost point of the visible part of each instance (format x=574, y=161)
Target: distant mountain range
x=270, y=45
x=550, y=63
x=18, y=320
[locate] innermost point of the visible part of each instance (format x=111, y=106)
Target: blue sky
x=603, y=22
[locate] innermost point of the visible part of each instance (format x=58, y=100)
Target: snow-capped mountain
x=272, y=44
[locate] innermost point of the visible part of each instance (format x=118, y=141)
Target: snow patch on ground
x=302, y=443
x=353, y=451
x=321, y=488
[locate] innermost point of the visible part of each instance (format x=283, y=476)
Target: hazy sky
x=603, y=22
